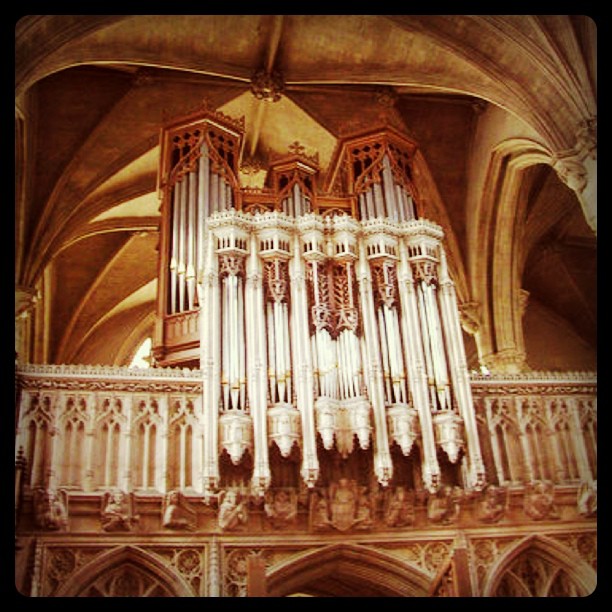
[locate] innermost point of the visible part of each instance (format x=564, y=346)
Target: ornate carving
x=444, y=505
x=539, y=501
x=403, y=426
x=492, y=504
x=267, y=86
x=231, y=265
x=449, y=428
x=425, y=271
x=118, y=511
x=469, y=313
x=399, y=507
x=176, y=512
x=587, y=499
x=284, y=427
x=572, y=172
x=51, y=509
x=233, y=511
x=280, y=507
x=275, y=274
x=236, y=435
x=385, y=283
x=343, y=506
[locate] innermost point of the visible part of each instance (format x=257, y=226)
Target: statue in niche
x=232, y=510
x=281, y=507
x=492, y=504
x=51, y=509
x=117, y=512
x=539, y=501
x=176, y=512
x=444, y=505
x=587, y=499
x=399, y=508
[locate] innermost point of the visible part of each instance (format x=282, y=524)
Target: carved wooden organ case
x=320, y=312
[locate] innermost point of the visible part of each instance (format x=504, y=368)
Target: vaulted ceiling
x=477, y=93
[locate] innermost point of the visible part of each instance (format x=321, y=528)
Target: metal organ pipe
x=437, y=345
x=174, y=249
x=181, y=268
x=387, y=181
x=191, y=236
x=271, y=351
x=241, y=344
x=426, y=343
x=379, y=202
x=203, y=204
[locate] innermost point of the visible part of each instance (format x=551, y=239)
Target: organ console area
x=319, y=307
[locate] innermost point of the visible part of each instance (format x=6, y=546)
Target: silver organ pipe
x=191, y=237
x=203, y=205
x=286, y=332
x=426, y=345
x=385, y=356
x=387, y=181
x=181, y=267
x=174, y=251
x=438, y=349
x=225, y=345
x=379, y=202
x=271, y=352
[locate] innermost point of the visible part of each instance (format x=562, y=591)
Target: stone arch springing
x=538, y=566
x=125, y=571
x=343, y=570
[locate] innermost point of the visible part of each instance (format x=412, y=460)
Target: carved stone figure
x=399, y=509
x=539, y=501
x=176, y=513
x=587, y=499
x=51, y=509
x=444, y=505
x=281, y=507
x=343, y=503
x=492, y=504
x=117, y=512
x=232, y=510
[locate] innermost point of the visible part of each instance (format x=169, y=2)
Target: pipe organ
x=319, y=308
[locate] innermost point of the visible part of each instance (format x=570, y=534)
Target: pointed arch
x=497, y=270
x=347, y=570
x=163, y=581
x=557, y=556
